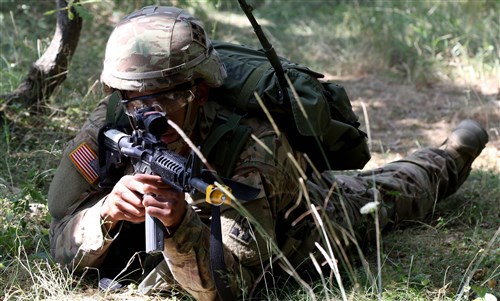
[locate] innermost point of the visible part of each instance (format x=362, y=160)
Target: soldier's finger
x=170, y=213
x=132, y=198
x=162, y=190
x=132, y=183
x=129, y=209
x=147, y=179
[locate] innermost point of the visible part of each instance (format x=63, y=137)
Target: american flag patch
x=86, y=162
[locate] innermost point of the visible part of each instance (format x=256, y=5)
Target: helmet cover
x=160, y=47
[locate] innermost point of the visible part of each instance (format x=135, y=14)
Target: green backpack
x=330, y=133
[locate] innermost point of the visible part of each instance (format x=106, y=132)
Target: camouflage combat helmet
x=159, y=47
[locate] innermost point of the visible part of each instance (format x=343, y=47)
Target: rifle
x=149, y=155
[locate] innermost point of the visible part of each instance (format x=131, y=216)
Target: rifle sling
x=217, y=264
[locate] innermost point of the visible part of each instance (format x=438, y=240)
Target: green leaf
x=487, y=297
x=82, y=12
x=479, y=290
x=50, y=12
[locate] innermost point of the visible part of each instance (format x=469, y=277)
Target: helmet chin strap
x=190, y=121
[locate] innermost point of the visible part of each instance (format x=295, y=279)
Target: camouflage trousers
x=407, y=189
x=403, y=190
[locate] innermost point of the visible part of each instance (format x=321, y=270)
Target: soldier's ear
x=202, y=92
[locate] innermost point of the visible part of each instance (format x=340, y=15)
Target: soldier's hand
x=133, y=196
x=124, y=203
x=165, y=203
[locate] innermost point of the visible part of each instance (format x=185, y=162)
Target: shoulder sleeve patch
x=85, y=160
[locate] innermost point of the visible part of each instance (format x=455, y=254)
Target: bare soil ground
x=403, y=118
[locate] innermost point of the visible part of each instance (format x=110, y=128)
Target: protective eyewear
x=165, y=101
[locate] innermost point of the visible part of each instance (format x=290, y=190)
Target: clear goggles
x=165, y=101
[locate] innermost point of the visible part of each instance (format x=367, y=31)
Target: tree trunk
x=50, y=70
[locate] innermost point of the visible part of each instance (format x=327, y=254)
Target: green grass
x=451, y=248
x=415, y=42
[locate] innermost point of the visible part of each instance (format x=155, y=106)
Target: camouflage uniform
x=408, y=189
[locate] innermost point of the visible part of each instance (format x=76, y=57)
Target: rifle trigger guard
x=216, y=195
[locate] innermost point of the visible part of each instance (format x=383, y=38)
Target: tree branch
x=50, y=70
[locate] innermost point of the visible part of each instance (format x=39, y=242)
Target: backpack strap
x=225, y=143
x=116, y=119
x=250, y=84
x=115, y=115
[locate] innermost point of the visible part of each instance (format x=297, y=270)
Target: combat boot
x=464, y=144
